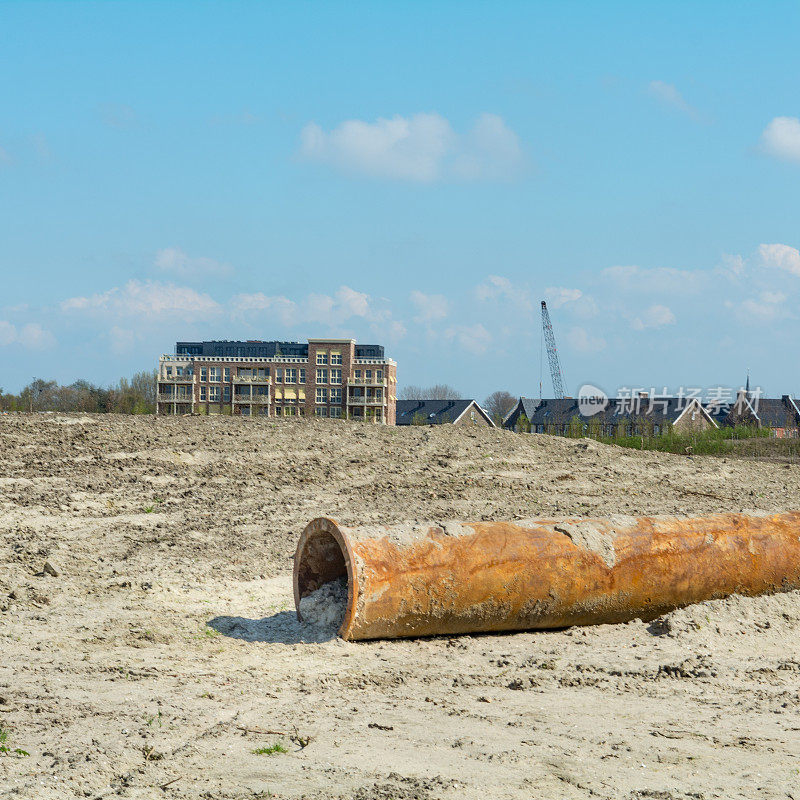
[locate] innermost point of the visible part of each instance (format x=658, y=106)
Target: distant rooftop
x=256, y=348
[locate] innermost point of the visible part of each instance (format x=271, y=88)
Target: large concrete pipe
x=502, y=576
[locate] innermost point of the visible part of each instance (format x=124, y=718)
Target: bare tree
x=412, y=393
x=498, y=405
x=442, y=391
x=439, y=391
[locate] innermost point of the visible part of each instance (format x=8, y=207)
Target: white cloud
x=330, y=309
x=490, y=151
x=396, y=330
x=781, y=256
x=474, y=339
x=8, y=333
x=282, y=307
x=658, y=279
x=584, y=342
x=148, y=298
x=495, y=286
x=668, y=95
x=32, y=335
x=767, y=308
x=173, y=259
x=430, y=307
x=733, y=266
x=781, y=138
x=420, y=148
x=557, y=296
x=352, y=303
x=657, y=316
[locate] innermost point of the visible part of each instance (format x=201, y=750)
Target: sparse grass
x=7, y=750
x=276, y=747
x=157, y=501
x=154, y=720
x=741, y=441
x=206, y=633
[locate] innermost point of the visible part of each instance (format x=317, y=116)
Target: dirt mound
x=165, y=650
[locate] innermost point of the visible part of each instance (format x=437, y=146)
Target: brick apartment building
x=323, y=378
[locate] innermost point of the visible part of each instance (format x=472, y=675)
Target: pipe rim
x=320, y=526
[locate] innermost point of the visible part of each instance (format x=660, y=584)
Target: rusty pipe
x=421, y=580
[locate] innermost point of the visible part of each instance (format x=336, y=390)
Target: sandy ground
x=166, y=651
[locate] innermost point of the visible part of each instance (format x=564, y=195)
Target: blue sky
x=414, y=174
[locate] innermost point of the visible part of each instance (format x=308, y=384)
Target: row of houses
x=644, y=415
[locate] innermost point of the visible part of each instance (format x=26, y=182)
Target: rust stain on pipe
x=550, y=573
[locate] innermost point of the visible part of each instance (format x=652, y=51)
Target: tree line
x=136, y=395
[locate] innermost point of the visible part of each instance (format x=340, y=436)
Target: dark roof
x=261, y=349
x=561, y=411
x=773, y=413
x=770, y=412
x=434, y=412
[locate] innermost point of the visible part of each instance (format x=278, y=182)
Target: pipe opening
x=322, y=578
x=320, y=561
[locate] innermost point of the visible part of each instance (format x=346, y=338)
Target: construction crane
x=552, y=354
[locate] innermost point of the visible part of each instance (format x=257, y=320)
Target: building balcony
x=177, y=379
x=256, y=399
x=245, y=379
x=366, y=401
x=367, y=382
x=174, y=398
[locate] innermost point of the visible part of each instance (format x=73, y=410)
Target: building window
x=202, y=394
x=226, y=393
x=203, y=374
x=322, y=376
x=169, y=372
x=336, y=358
x=301, y=375
x=336, y=376
x=263, y=373
x=321, y=411
x=288, y=411
x=278, y=376
x=215, y=394
x=245, y=373
x=336, y=413
x=379, y=375
x=291, y=376
x=264, y=411
x=214, y=374
x=358, y=374
x=227, y=373
x=336, y=395
x=322, y=357
x=322, y=395
x=368, y=375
